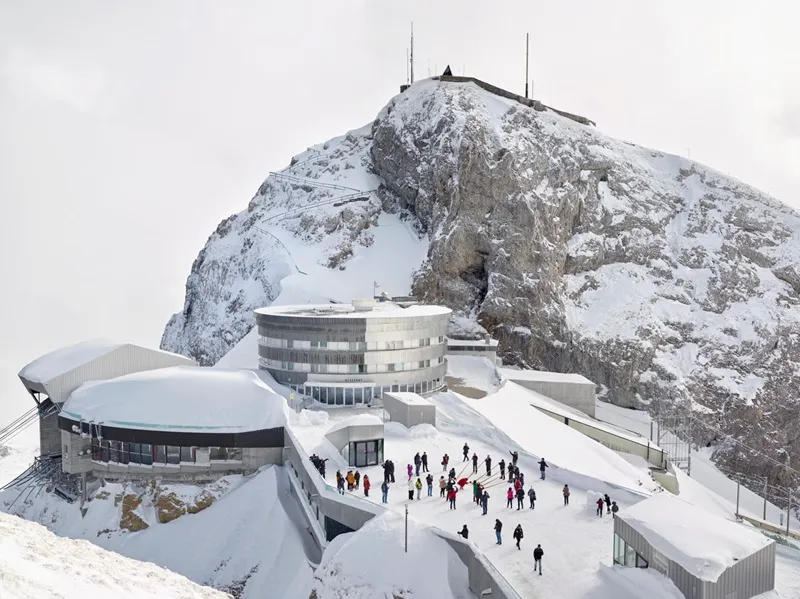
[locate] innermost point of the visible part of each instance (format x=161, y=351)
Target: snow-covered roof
x=377, y=310
x=60, y=361
x=358, y=420
x=242, y=355
x=703, y=543
x=411, y=399
x=63, y=360
x=182, y=398
x=542, y=376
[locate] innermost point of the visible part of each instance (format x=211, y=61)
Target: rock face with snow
x=656, y=277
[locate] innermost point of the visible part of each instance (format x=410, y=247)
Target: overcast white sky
x=128, y=130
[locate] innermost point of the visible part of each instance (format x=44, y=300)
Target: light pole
x=406, y=528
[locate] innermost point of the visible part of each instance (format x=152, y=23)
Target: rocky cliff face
x=660, y=279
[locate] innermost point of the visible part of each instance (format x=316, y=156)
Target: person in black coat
x=608, y=503
x=538, y=553
x=498, y=528
x=475, y=463
x=502, y=464
x=464, y=532
x=514, y=457
x=520, y=498
x=542, y=466
x=518, y=534
x=488, y=461
x=425, y=462
x=466, y=453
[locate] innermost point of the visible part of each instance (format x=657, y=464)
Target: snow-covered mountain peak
x=656, y=277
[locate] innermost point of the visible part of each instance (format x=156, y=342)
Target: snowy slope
x=372, y=563
x=35, y=563
x=252, y=537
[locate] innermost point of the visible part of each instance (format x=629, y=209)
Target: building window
x=365, y=453
x=625, y=555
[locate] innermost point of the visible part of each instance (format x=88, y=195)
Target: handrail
x=325, y=202
x=311, y=182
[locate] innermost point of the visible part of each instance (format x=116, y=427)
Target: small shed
x=570, y=389
x=409, y=409
x=707, y=556
x=359, y=439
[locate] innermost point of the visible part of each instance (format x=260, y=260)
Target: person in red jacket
x=366, y=484
x=451, y=497
x=600, y=505
x=510, y=497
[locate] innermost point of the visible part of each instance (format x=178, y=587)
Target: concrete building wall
x=482, y=575
x=580, y=396
x=652, y=454
x=71, y=446
x=49, y=435
x=408, y=414
x=358, y=432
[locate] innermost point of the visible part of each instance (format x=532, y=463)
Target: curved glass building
x=347, y=354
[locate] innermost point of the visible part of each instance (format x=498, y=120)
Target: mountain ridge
x=665, y=282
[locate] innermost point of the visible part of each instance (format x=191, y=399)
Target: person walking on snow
x=474, y=463
x=510, y=497
x=339, y=482
x=466, y=453
x=600, y=506
x=411, y=489
x=514, y=457
x=451, y=497
x=502, y=464
x=464, y=532
x=445, y=461
x=565, y=492
x=418, y=487
x=488, y=461
x=429, y=480
x=518, y=535
x=498, y=528
x=410, y=471
x=357, y=477
x=442, y=486
x=384, y=492
x=417, y=462
x=424, y=462
x=614, y=509
x=520, y=498
x=608, y=503
x=367, y=485
x=485, y=501
x=538, y=553
x=542, y=466
x=532, y=497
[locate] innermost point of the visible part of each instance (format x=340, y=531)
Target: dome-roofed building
x=187, y=420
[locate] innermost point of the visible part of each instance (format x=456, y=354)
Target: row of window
x=348, y=396
x=365, y=453
x=625, y=555
x=348, y=368
x=351, y=345
x=143, y=453
x=475, y=348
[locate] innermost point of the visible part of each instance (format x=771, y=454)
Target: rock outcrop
x=662, y=280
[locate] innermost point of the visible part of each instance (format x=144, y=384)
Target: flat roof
x=180, y=398
x=378, y=310
x=702, y=542
x=410, y=399
x=512, y=374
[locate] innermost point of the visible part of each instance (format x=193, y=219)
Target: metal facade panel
x=126, y=359
x=747, y=578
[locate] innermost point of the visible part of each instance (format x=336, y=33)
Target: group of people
x=319, y=463
x=611, y=507
x=450, y=486
x=353, y=481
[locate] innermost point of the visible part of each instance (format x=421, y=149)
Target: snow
x=472, y=342
x=510, y=410
x=55, y=363
x=378, y=310
x=186, y=398
x=411, y=399
x=372, y=563
x=476, y=372
x=35, y=563
x=543, y=376
x=357, y=420
x=704, y=544
x=242, y=355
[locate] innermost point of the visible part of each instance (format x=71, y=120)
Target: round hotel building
x=348, y=354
